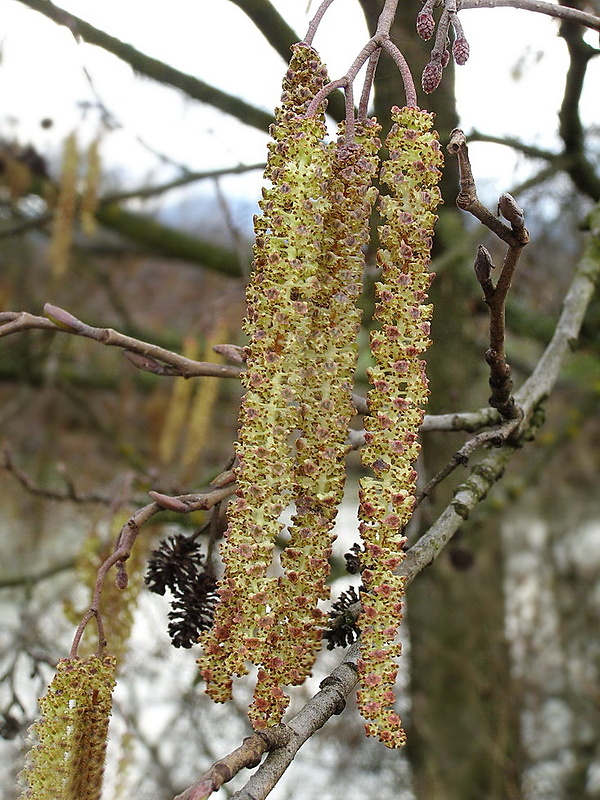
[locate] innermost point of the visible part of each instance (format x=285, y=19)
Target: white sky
x=41, y=76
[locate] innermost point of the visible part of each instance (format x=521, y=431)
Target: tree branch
x=167, y=241
x=561, y=12
x=579, y=167
x=149, y=357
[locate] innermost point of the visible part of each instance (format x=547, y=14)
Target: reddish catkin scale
x=432, y=76
x=425, y=24
x=399, y=392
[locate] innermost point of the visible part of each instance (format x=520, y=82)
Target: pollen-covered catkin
x=325, y=404
x=278, y=323
x=396, y=399
x=67, y=759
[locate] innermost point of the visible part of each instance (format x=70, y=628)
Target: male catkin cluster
x=302, y=324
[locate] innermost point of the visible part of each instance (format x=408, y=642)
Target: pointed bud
x=510, y=210
x=483, y=265
x=62, y=318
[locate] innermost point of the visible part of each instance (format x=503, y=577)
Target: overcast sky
x=42, y=77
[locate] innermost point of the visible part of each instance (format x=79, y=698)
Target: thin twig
x=562, y=12
x=316, y=21
x=176, y=183
x=126, y=538
x=7, y=462
x=149, y=357
x=516, y=237
x=495, y=437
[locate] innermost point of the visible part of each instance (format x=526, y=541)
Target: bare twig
x=70, y=493
x=149, y=357
x=127, y=536
x=495, y=437
x=516, y=237
x=246, y=756
x=329, y=701
x=369, y=53
x=316, y=21
x=176, y=183
x=30, y=578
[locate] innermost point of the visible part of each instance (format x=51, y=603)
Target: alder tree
x=254, y=603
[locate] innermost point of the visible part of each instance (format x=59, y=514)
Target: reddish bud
x=460, y=50
x=432, y=75
x=425, y=25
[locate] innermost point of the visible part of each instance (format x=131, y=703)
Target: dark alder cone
x=432, y=75
x=178, y=565
x=353, y=559
x=342, y=629
x=173, y=564
x=460, y=50
x=425, y=25
x=193, y=610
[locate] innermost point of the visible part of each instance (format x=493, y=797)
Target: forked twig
x=516, y=237
x=146, y=356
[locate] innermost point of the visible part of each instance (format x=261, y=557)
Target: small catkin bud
x=460, y=50
x=432, y=75
x=425, y=25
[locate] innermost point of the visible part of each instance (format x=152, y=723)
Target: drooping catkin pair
x=302, y=324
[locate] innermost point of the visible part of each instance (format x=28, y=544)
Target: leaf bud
x=483, y=265
x=510, y=210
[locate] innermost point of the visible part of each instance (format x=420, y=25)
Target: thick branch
x=170, y=242
x=328, y=702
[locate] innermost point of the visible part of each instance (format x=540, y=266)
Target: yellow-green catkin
x=65, y=209
x=326, y=406
x=67, y=759
x=396, y=403
x=91, y=188
x=278, y=323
